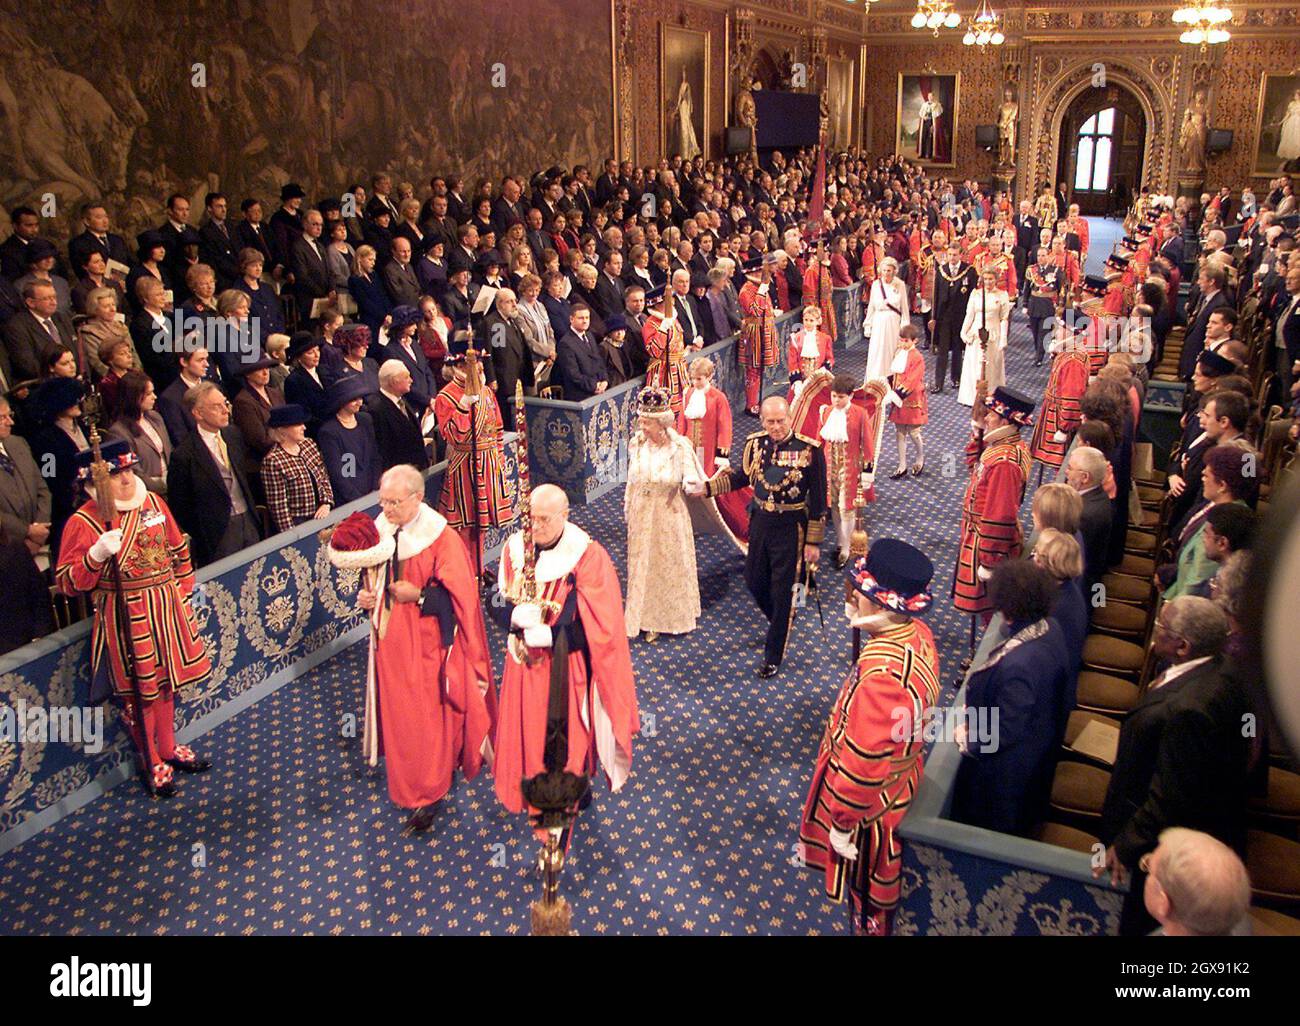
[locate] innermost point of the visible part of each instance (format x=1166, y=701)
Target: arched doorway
x=1103, y=138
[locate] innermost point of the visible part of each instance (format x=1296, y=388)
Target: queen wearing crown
x=663, y=592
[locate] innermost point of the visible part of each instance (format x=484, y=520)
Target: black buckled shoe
x=900, y=472
x=422, y=818
x=768, y=670
x=187, y=762
x=156, y=785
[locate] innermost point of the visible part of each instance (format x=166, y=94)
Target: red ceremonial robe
x=602, y=706
x=990, y=515
x=432, y=707
x=911, y=386
x=818, y=290
x=710, y=436
x=1061, y=407
x=794, y=352
x=870, y=763
x=845, y=461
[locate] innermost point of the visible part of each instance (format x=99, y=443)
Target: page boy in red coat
x=912, y=411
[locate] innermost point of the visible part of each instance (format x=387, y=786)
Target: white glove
x=843, y=845
x=762, y=289
x=893, y=399
x=722, y=463
x=107, y=545
x=983, y=573
x=1060, y=436
x=537, y=637
x=868, y=479
x=526, y=615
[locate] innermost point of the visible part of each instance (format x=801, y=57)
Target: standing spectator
x=347, y=441
x=293, y=474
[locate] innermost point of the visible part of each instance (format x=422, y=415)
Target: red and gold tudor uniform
x=758, y=348
x=665, y=342
x=157, y=652
x=819, y=291
x=582, y=624
x=870, y=761
x=1061, y=410
x=990, y=515
x=494, y=497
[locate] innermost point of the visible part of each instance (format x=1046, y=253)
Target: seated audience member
x=1085, y=472
x=347, y=440
x=294, y=477
x=1196, y=886
x=1182, y=756
x=1020, y=685
x=142, y=428
x=398, y=427
x=1227, y=475
x=101, y=326
x=193, y=367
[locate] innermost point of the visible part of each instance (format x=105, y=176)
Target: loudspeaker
x=986, y=137
x=1218, y=140
x=737, y=140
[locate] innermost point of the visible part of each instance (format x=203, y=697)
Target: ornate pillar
x=624, y=82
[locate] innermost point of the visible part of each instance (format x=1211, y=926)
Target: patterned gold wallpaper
x=1236, y=101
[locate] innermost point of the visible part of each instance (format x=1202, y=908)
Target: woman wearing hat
x=663, y=591
x=869, y=765
x=294, y=476
x=251, y=411
x=354, y=341
x=304, y=385
x=41, y=256
x=263, y=303
x=137, y=566
x=143, y=430
x=402, y=345
x=347, y=439
x=102, y=327
x=56, y=408
x=431, y=269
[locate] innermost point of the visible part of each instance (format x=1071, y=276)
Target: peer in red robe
x=431, y=704
x=578, y=612
x=705, y=421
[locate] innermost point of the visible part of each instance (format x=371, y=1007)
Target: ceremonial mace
x=555, y=792
x=473, y=396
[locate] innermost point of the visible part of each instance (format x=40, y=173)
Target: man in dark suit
x=1286, y=326
x=507, y=209
x=439, y=224
x=13, y=251
x=170, y=405
x=1183, y=756
x=311, y=278
x=251, y=233
x=579, y=363
x=175, y=232
x=511, y=358
x=607, y=184
x=28, y=334
x=400, y=282
x=207, y=488
x=954, y=281
x=457, y=208
x=24, y=495
x=1085, y=473
x=97, y=238
x=217, y=242
x=1212, y=284
x=1027, y=228
x=538, y=240
x=688, y=313
x=609, y=286
x=397, y=423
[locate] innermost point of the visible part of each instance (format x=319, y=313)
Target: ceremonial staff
x=554, y=793
x=981, y=392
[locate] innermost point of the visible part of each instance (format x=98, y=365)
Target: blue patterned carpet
x=292, y=834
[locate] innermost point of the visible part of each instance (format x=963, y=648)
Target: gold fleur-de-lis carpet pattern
x=292, y=834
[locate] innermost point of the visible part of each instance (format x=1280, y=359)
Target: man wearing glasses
x=1182, y=756
x=206, y=485
x=435, y=705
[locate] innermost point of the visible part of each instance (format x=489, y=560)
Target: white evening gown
x=997, y=310
x=885, y=325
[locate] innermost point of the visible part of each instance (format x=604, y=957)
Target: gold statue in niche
x=1008, y=126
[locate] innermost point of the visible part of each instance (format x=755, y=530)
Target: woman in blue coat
x=373, y=304
x=347, y=441
x=1014, y=695
x=1062, y=557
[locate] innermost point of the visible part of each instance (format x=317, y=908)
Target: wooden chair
x=1078, y=792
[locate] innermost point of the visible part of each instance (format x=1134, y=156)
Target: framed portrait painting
x=927, y=118
x=683, y=89
x=840, y=101
x=1277, y=124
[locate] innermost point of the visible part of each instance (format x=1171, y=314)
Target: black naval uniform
x=1044, y=284
x=788, y=511
x=952, y=291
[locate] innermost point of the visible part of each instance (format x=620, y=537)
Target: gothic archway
x=1100, y=150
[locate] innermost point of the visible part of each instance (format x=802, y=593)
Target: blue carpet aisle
x=291, y=833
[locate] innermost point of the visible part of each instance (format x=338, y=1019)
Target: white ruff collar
x=810, y=350
x=124, y=505
x=555, y=562
x=836, y=428
x=416, y=536
x=696, y=406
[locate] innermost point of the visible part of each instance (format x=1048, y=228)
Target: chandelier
x=935, y=14
x=984, y=28
x=1203, y=19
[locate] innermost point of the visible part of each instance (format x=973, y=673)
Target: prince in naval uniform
x=787, y=517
